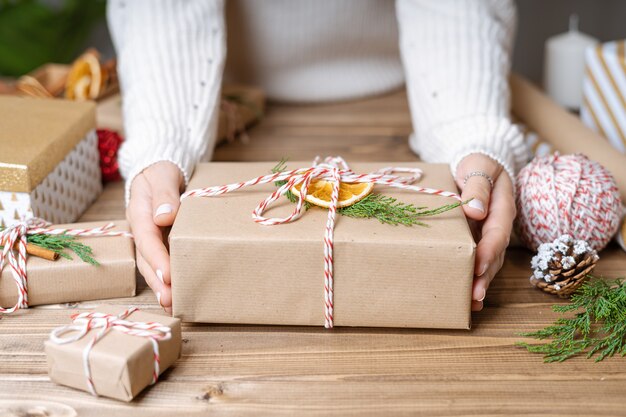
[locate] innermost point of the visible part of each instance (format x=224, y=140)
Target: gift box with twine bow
x=227, y=268
x=113, y=351
x=61, y=279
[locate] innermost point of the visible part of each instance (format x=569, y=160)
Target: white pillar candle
x=564, y=65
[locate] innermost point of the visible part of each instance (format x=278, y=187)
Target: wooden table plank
x=274, y=370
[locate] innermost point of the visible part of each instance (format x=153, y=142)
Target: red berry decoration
x=108, y=144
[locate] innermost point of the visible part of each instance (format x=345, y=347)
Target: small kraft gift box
x=49, y=162
x=107, y=272
x=301, y=269
x=241, y=106
x=112, y=351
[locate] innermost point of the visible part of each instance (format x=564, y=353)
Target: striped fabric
x=604, y=92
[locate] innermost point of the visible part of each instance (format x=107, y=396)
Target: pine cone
x=562, y=266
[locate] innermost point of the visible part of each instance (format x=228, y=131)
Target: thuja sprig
x=389, y=210
x=597, y=329
x=280, y=167
x=385, y=209
x=61, y=244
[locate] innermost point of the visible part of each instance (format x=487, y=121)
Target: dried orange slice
x=319, y=192
x=86, y=78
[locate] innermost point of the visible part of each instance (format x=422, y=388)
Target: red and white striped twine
x=16, y=258
x=567, y=194
x=335, y=170
x=84, y=322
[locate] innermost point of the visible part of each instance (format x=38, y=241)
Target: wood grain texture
x=254, y=370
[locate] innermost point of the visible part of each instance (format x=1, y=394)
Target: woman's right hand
x=154, y=202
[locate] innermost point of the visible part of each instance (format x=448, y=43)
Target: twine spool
x=567, y=194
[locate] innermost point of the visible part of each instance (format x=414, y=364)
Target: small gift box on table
x=604, y=92
x=241, y=106
x=67, y=280
x=112, y=351
x=49, y=161
x=228, y=269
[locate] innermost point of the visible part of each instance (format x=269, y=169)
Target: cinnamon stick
x=35, y=250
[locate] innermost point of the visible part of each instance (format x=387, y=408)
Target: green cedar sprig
x=389, y=210
x=598, y=327
x=385, y=209
x=280, y=167
x=63, y=243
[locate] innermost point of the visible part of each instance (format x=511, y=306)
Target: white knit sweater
x=454, y=56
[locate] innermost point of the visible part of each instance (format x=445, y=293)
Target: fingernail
x=158, y=296
x=163, y=209
x=477, y=204
x=483, y=269
x=483, y=297
x=159, y=275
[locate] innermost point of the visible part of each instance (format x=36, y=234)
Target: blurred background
x=33, y=32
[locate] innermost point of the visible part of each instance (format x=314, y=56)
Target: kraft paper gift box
x=121, y=365
x=241, y=107
x=49, y=161
x=228, y=269
x=604, y=92
x=66, y=280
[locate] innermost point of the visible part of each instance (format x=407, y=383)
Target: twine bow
x=335, y=170
x=14, y=240
x=84, y=322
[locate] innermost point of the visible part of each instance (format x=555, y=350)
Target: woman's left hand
x=494, y=210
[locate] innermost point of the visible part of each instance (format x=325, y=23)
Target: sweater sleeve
x=456, y=55
x=170, y=62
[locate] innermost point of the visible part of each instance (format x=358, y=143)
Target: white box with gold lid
x=49, y=161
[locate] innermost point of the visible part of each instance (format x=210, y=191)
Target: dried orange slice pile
x=319, y=193
x=87, y=78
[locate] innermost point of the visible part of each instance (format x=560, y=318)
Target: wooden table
x=244, y=370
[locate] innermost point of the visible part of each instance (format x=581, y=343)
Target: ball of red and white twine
x=335, y=170
x=567, y=194
x=84, y=322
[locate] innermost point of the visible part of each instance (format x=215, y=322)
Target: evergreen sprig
x=598, y=327
x=389, y=210
x=280, y=167
x=63, y=243
x=385, y=209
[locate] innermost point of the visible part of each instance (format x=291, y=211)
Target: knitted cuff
x=151, y=143
x=494, y=137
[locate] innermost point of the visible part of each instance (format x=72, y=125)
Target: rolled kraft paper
x=563, y=130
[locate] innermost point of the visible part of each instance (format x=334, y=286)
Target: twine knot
x=84, y=322
x=334, y=170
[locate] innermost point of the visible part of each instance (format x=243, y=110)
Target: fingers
x=165, y=180
x=481, y=284
x=148, y=236
x=162, y=291
x=154, y=203
x=496, y=232
x=477, y=187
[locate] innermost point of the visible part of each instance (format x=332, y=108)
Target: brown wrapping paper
x=563, y=130
x=245, y=110
x=36, y=135
x=67, y=280
x=121, y=364
x=228, y=269
x=241, y=106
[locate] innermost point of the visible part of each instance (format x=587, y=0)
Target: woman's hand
x=494, y=209
x=154, y=201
